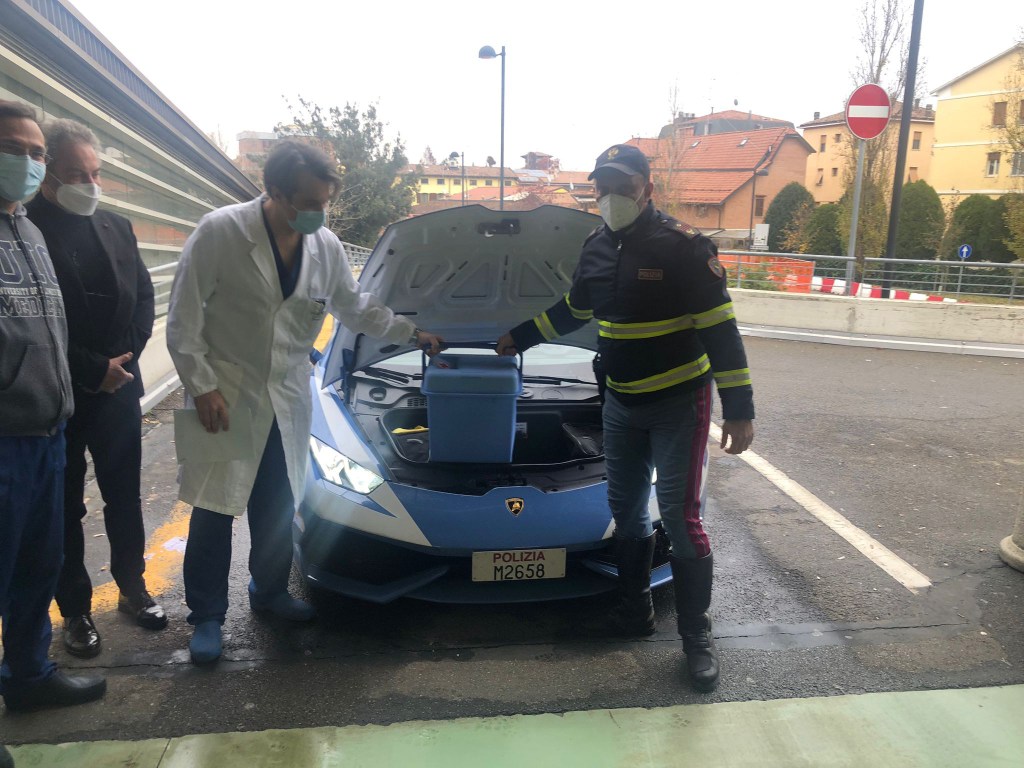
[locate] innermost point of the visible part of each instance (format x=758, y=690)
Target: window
x=702, y=211
x=424, y=181
x=912, y=174
x=440, y=181
x=837, y=138
x=917, y=140
x=1020, y=114
x=822, y=143
x=821, y=177
x=1017, y=166
x=472, y=182
x=992, y=166
x=489, y=182
x=759, y=205
x=835, y=172
x=999, y=113
x=695, y=144
x=457, y=182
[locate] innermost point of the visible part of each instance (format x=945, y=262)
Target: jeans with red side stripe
x=671, y=435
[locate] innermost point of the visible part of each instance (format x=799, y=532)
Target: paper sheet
x=193, y=443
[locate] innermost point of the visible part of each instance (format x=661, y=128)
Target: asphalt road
x=922, y=452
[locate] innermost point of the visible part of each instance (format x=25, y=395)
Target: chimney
x=817, y=115
x=917, y=103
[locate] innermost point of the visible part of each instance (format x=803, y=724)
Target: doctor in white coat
x=253, y=287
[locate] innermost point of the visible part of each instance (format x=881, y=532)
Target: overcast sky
x=579, y=76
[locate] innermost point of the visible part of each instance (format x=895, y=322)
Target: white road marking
x=878, y=553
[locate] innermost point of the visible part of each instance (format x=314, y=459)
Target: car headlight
x=339, y=469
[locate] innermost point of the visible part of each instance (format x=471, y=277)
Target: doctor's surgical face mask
x=307, y=222
x=20, y=176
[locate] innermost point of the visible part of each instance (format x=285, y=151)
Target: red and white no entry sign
x=867, y=111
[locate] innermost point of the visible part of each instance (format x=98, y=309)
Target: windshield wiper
x=554, y=380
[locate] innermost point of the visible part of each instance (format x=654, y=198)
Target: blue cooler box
x=471, y=407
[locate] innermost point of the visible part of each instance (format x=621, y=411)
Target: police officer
x=666, y=329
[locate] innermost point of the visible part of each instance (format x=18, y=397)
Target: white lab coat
x=229, y=328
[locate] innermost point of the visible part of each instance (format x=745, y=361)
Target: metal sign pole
x=851, y=250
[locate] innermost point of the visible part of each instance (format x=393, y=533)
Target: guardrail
x=791, y=272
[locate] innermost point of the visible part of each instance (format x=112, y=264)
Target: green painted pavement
x=971, y=727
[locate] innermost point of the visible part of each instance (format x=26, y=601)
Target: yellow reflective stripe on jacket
x=663, y=380
x=714, y=316
x=547, y=330
x=579, y=314
x=644, y=330
x=737, y=378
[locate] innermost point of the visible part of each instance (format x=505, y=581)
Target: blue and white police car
x=397, y=506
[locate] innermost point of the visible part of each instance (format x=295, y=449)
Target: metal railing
x=947, y=279
x=163, y=276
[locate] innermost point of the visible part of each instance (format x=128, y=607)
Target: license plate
x=519, y=565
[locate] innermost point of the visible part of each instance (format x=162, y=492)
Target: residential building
x=729, y=121
x=975, y=113
x=437, y=182
x=723, y=183
x=831, y=167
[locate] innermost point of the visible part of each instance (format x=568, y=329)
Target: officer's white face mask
x=619, y=211
x=81, y=199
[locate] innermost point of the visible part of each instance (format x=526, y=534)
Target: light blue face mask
x=20, y=177
x=307, y=222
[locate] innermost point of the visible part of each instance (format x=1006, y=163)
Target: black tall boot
x=634, y=613
x=692, y=582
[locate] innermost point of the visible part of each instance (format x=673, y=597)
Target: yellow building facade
x=438, y=182
x=831, y=165
x=974, y=114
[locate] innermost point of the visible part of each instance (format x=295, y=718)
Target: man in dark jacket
x=35, y=401
x=108, y=296
x=666, y=329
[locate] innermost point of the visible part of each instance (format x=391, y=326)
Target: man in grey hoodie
x=35, y=401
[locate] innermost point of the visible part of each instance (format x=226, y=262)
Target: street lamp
x=488, y=53
x=461, y=157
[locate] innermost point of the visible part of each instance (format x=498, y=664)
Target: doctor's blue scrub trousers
x=270, y=511
x=671, y=435
x=31, y=551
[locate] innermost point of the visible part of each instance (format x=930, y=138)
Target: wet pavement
x=921, y=452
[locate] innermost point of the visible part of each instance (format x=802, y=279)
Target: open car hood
x=469, y=274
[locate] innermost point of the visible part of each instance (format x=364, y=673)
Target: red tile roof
x=708, y=169
x=921, y=114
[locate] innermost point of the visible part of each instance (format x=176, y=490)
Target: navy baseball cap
x=624, y=158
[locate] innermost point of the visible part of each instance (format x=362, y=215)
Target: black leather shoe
x=59, y=690
x=147, y=613
x=80, y=637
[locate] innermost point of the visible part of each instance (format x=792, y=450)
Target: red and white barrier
x=866, y=291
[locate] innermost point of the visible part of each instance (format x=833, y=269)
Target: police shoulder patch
x=716, y=267
x=680, y=227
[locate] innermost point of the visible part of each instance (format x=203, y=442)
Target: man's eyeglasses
x=38, y=155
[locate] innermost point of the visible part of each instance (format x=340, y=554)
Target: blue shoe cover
x=205, y=645
x=283, y=605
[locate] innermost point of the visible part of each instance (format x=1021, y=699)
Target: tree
x=374, y=192
x=784, y=214
x=978, y=222
x=821, y=231
x=428, y=157
x=491, y=162
x=1014, y=219
x=1011, y=137
x=921, y=224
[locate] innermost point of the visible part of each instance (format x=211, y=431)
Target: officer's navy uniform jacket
x=665, y=319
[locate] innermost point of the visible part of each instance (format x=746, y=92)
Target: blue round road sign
x=964, y=252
